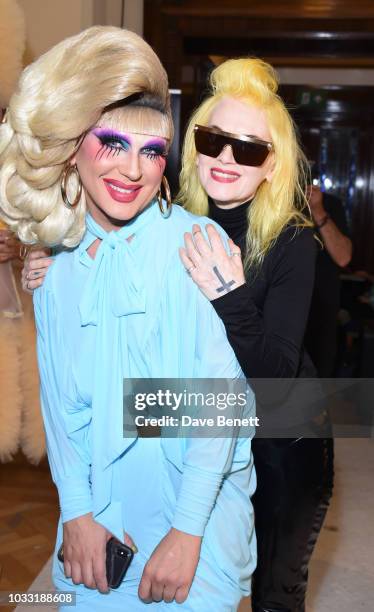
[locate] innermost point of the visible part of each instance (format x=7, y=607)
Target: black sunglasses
x=247, y=150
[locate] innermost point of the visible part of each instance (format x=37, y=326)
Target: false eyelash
x=153, y=156
x=110, y=151
x=107, y=147
x=154, y=152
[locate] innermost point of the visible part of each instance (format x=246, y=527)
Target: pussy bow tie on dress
x=115, y=274
x=114, y=288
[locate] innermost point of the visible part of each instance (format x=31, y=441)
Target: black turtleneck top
x=265, y=318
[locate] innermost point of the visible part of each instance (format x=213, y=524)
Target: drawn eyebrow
x=155, y=143
x=108, y=133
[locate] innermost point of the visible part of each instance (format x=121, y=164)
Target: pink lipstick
x=224, y=176
x=121, y=192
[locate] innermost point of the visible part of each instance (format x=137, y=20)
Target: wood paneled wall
x=285, y=32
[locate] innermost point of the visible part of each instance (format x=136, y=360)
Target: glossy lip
x=122, y=197
x=221, y=179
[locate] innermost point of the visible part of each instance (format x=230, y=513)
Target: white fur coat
x=21, y=423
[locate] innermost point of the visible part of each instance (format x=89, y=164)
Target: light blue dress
x=133, y=312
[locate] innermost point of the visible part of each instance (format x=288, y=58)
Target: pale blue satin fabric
x=116, y=269
x=133, y=312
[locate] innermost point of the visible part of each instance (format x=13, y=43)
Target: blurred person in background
x=330, y=223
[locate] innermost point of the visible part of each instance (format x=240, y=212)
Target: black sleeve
x=268, y=343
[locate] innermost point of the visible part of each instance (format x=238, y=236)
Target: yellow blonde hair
x=276, y=203
x=102, y=73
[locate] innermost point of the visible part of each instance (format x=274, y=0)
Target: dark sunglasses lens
x=249, y=153
x=245, y=153
x=209, y=143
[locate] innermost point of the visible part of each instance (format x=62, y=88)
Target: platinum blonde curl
x=58, y=99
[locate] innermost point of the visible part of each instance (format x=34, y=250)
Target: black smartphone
x=118, y=559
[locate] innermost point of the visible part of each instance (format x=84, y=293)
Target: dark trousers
x=295, y=480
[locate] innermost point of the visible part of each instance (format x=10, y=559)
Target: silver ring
x=189, y=269
x=235, y=254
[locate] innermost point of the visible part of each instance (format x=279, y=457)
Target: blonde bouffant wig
x=276, y=203
x=102, y=73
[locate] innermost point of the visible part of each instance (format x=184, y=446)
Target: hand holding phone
x=85, y=542
x=118, y=559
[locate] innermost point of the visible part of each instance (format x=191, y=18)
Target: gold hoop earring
x=64, y=181
x=165, y=212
